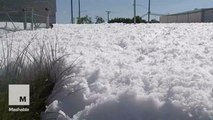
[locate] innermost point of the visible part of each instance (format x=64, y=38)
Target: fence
x=23, y=20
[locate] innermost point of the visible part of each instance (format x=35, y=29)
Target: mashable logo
x=19, y=95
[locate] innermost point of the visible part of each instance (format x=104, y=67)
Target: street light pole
x=134, y=11
x=72, y=20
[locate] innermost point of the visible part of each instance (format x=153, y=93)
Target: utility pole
x=72, y=19
x=149, y=12
x=79, y=9
x=134, y=11
x=108, y=12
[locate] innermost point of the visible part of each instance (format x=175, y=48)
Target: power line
x=144, y=15
x=156, y=14
x=149, y=13
x=142, y=6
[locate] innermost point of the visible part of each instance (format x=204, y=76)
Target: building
x=16, y=9
x=197, y=15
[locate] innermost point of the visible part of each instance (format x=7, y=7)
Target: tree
x=99, y=20
x=85, y=20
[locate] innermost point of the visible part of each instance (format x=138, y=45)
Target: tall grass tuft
x=41, y=69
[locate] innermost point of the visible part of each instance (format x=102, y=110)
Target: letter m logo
x=22, y=99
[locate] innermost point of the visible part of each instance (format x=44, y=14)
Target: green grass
x=40, y=69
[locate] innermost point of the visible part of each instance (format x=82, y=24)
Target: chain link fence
x=23, y=20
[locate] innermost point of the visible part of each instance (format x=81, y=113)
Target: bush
x=127, y=20
x=40, y=69
x=121, y=20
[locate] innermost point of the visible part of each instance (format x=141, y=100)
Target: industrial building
x=194, y=16
x=15, y=10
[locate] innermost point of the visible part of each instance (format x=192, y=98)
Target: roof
x=192, y=11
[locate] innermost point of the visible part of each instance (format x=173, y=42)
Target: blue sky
x=124, y=8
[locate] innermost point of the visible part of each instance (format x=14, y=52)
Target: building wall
x=37, y=5
x=182, y=18
x=208, y=16
x=171, y=19
x=40, y=5
x=163, y=19
x=187, y=17
x=195, y=17
x=168, y=19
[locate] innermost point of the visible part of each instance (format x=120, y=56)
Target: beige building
x=41, y=9
x=197, y=15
